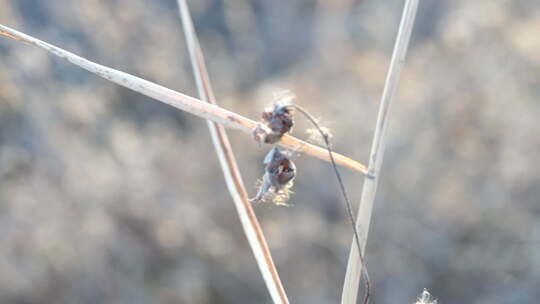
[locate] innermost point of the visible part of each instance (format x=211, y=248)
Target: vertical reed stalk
x=229, y=166
x=354, y=266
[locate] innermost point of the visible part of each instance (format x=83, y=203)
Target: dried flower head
x=278, y=177
x=277, y=120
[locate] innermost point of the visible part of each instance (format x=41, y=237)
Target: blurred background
x=107, y=196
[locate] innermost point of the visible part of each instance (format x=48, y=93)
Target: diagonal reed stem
x=229, y=166
x=354, y=266
x=178, y=100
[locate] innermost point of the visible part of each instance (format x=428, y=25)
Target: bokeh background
x=107, y=196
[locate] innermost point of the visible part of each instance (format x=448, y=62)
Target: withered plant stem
x=229, y=166
x=178, y=100
x=354, y=267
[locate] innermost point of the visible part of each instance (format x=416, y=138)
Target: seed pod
x=279, y=121
x=280, y=169
x=279, y=173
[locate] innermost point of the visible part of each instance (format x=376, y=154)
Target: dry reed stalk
x=178, y=100
x=229, y=166
x=354, y=266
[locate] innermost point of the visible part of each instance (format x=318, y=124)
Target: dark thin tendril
x=345, y=197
